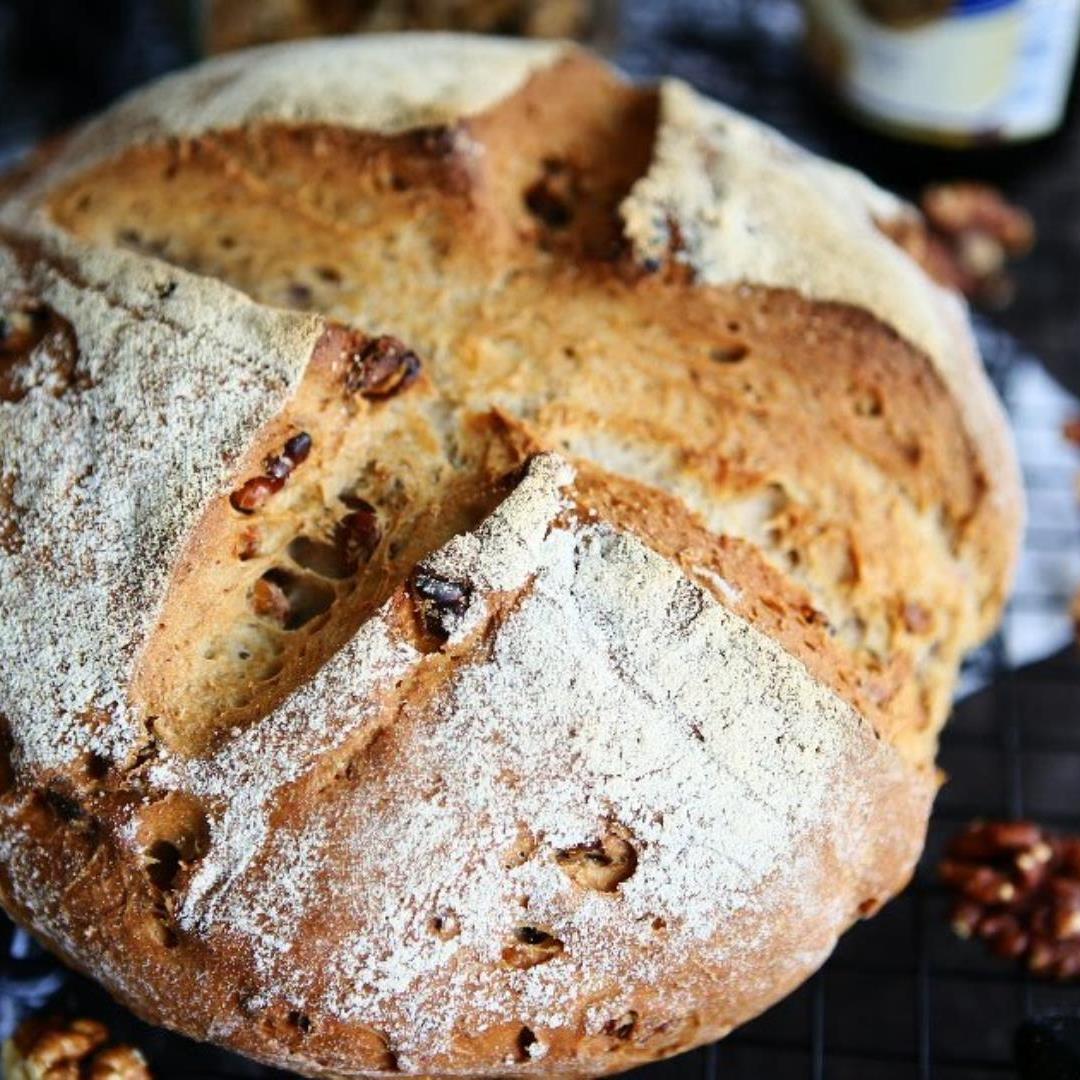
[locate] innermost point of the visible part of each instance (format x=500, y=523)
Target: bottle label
x=972, y=69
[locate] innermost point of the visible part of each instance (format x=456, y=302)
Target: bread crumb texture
x=485, y=553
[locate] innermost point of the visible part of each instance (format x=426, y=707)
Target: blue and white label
x=977, y=69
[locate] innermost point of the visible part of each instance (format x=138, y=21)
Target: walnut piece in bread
x=487, y=551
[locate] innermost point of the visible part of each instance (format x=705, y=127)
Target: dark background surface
x=901, y=998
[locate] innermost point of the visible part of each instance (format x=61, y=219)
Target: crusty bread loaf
x=485, y=553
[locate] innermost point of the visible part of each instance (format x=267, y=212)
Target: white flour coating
x=728, y=591
x=601, y=702
x=748, y=206
x=245, y=775
x=379, y=82
x=106, y=481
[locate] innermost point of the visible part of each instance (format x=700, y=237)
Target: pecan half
x=384, y=366
x=602, y=865
x=530, y=946
x=1018, y=889
x=967, y=236
x=965, y=207
x=358, y=533
x=254, y=493
x=279, y=467
x=440, y=601
x=268, y=601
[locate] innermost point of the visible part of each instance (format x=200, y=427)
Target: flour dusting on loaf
x=713, y=772
x=108, y=477
x=387, y=83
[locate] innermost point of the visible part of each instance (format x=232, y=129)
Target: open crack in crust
x=522, y=665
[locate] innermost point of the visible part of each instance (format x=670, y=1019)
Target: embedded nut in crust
x=255, y=493
x=602, y=865
x=530, y=946
x=441, y=602
x=382, y=368
x=358, y=533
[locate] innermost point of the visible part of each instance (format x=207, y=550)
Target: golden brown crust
x=129, y=916
x=487, y=547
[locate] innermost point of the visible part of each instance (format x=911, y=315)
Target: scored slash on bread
x=485, y=553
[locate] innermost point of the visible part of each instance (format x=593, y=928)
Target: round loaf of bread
x=485, y=554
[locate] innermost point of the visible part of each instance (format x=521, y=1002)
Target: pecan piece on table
x=1018, y=889
x=56, y=1049
x=981, y=231
x=967, y=235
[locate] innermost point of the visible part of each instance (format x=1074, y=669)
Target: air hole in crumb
x=602, y=865
x=445, y=925
x=63, y=806
x=162, y=864
x=622, y=1027
x=867, y=402
x=290, y=600
x=299, y=295
x=174, y=833
x=526, y=1039
x=300, y=1020
x=326, y=560
x=551, y=197
x=95, y=767
x=530, y=946
x=730, y=353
